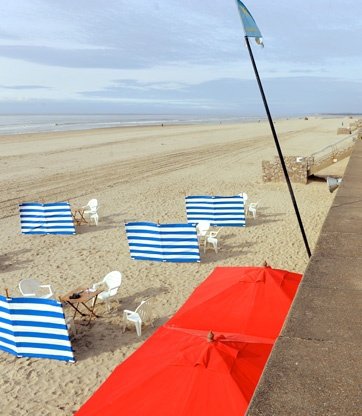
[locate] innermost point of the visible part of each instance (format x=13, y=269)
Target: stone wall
x=313, y=368
x=333, y=157
x=343, y=130
x=355, y=125
x=297, y=168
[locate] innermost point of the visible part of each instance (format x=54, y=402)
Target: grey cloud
x=141, y=56
x=120, y=34
x=127, y=35
x=294, y=95
x=25, y=87
x=306, y=71
x=148, y=33
x=286, y=97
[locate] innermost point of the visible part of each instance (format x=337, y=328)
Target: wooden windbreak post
x=7, y=292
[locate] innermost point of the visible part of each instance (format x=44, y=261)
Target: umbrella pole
x=281, y=157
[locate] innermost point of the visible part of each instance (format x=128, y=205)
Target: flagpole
x=281, y=157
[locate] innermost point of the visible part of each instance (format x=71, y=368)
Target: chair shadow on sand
x=104, y=334
x=10, y=261
x=226, y=251
x=263, y=218
x=105, y=223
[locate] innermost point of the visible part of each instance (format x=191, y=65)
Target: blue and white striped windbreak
x=34, y=327
x=163, y=242
x=227, y=211
x=52, y=218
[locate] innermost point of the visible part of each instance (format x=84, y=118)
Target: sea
x=37, y=123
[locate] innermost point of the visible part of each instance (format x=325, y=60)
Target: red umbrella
x=180, y=372
x=245, y=300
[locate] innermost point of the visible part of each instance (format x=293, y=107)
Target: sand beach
x=142, y=173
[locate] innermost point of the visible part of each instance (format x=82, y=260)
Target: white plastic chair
x=202, y=228
x=252, y=208
x=211, y=239
x=142, y=314
x=244, y=196
x=31, y=287
x=113, y=281
x=91, y=211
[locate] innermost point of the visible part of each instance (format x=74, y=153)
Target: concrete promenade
x=316, y=364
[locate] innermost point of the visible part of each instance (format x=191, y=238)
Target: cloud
x=295, y=95
x=188, y=53
x=116, y=35
x=223, y=97
x=142, y=34
x=24, y=87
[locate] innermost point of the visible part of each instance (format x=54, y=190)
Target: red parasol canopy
x=245, y=300
x=180, y=372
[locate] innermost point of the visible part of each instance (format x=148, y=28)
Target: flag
x=250, y=28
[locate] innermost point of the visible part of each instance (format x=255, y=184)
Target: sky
x=179, y=57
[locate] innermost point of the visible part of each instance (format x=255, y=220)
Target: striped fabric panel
x=52, y=218
x=34, y=327
x=163, y=242
x=223, y=211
